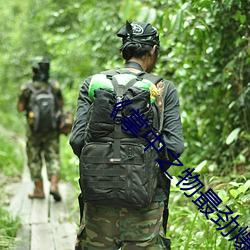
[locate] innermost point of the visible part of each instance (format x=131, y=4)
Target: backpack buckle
x=118, y=118
x=119, y=99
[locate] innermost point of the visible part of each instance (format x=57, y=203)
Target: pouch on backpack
x=65, y=121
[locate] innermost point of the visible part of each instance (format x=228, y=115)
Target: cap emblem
x=137, y=29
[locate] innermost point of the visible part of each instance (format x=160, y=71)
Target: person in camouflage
x=42, y=145
x=113, y=228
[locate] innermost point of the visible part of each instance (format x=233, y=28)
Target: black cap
x=139, y=32
x=37, y=61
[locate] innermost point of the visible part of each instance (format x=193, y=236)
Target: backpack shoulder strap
x=52, y=86
x=109, y=73
x=121, y=89
x=35, y=91
x=32, y=88
x=54, y=91
x=153, y=78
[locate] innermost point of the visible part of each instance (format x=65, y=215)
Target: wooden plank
x=25, y=209
x=39, y=211
x=60, y=214
x=22, y=240
x=45, y=222
x=71, y=202
x=16, y=202
x=42, y=237
x=20, y=204
x=70, y=196
x=40, y=207
x=61, y=211
x=64, y=235
x=26, y=173
x=58, y=211
x=24, y=212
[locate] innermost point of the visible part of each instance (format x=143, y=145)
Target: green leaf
x=234, y=192
x=245, y=198
x=223, y=195
x=235, y=184
x=247, y=184
x=240, y=17
x=248, y=61
x=201, y=27
x=212, y=167
x=243, y=18
x=201, y=166
x=232, y=136
x=242, y=189
x=177, y=25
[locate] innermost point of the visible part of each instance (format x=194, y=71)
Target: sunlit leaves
x=232, y=136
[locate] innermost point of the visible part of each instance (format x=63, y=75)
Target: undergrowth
x=189, y=229
x=11, y=164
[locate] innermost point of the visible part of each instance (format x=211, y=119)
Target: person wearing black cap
x=140, y=42
x=111, y=227
x=40, y=143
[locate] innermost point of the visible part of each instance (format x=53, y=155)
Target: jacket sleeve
x=172, y=125
x=83, y=104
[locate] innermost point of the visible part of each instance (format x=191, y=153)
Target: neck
x=142, y=64
x=133, y=65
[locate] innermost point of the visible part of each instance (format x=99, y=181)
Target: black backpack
x=115, y=168
x=43, y=109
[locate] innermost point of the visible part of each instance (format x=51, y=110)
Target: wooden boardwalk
x=46, y=224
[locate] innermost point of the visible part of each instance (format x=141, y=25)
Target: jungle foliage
x=205, y=52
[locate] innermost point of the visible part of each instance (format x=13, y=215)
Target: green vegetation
x=11, y=163
x=8, y=229
x=11, y=156
x=205, y=51
x=189, y=228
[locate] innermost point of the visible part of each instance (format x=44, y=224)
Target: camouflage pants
x=43, y=147
x=121, y=228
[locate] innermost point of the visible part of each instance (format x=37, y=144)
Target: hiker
x=115, y=163
x=42, y=102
